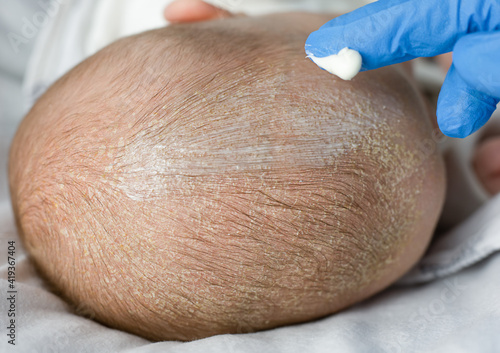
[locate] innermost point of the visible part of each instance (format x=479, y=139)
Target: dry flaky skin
x=182, y=186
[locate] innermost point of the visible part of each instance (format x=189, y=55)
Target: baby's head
x=208, y=178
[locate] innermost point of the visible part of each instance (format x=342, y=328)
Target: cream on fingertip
x=346, y=64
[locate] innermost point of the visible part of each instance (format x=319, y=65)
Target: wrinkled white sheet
x=448, y=303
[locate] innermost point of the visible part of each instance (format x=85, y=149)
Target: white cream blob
x=346, y=64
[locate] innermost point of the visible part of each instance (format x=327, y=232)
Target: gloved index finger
x=388, y=32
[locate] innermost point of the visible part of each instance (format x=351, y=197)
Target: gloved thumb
x=462, y=109
x=477, y=60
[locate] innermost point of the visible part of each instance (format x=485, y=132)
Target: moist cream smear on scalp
x=346, y=64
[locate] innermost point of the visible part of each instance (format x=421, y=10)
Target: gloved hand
x=392, y=31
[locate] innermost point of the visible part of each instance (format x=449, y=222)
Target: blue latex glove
x=392, y=31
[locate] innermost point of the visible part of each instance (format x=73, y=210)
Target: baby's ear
x=486, y=162
x=181, y=11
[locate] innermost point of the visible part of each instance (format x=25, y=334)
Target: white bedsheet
x=448, y=303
